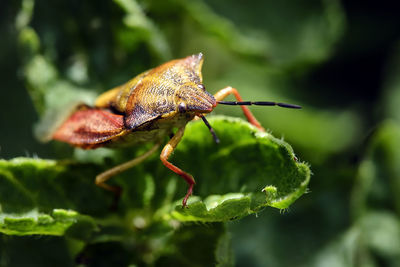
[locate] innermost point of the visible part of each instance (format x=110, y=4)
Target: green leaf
x=247, y=171
x=35, y=199
x=56, y=223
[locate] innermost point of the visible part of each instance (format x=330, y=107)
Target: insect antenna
x=258, y=103
x=216, y=139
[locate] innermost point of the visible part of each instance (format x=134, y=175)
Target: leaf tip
x=271, y=192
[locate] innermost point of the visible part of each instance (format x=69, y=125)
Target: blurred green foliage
x=336, y=59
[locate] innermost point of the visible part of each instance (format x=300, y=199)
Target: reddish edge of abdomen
x=89, y=128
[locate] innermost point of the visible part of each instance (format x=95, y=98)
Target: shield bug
x=147, y=109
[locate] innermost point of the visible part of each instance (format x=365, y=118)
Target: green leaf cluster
x=48, y=197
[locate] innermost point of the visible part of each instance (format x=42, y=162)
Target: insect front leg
x=223, y=93
x=166, y=152
x=104, y=176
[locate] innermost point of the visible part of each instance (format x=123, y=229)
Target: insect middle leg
x=104, y=176
x=223, y=93
x=166, y=152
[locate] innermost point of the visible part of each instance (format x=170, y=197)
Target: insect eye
x=202, y=87
x=182, y=107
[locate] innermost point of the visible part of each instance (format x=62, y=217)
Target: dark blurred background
x=338, y=59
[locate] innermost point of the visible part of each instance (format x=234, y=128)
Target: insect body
x=147, y=109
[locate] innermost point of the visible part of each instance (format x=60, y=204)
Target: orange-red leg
x=223, y=93
x=166, y=152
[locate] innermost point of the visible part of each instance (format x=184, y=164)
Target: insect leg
x=223, y=93
x=166, y=152
x=104, y=176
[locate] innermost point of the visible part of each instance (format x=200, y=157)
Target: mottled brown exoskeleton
x=147, y=109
